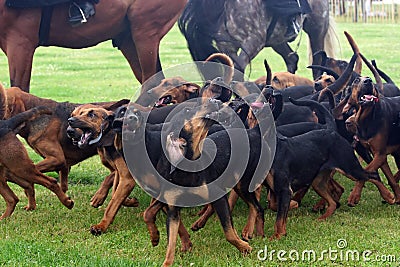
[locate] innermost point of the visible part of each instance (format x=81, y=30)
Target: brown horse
x=135, y=26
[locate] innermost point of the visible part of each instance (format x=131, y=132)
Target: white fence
x=365, y=10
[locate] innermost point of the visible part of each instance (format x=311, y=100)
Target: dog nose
x=317, y=87
x=71, y=119
x=367, y=80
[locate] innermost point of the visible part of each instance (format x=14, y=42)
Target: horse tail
x=224, y=59
x=3, y=102
x=331, y=41
x=199, y=24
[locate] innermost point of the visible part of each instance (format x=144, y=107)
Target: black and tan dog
x=375, y=126
x=187, y=143
x=18, y=167
x=308, y=159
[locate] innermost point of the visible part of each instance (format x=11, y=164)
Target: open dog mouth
x=368, y=99
x=87, y=138
x=163, y=101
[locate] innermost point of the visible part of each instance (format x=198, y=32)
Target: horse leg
x=316, y=26
x=147, y=30
x=128, y=49
x=289, y=56
x=20, y=58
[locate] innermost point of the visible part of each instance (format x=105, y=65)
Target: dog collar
x=98, y=138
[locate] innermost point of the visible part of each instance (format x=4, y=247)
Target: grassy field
x=54, y=236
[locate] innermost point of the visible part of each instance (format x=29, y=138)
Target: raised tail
x=226, y=60
x=321, y=111
x=28, y=115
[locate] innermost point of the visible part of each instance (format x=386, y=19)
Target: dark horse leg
x=289, y=56
x=316, y=26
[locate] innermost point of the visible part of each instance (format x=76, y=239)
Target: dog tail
x=326, y=93
x=374, y=71
x=356, y=50
x=31, y=114
x=3, y=102
x=343, y=80
x=381, y=73
x=224, y=59
x=321, y=111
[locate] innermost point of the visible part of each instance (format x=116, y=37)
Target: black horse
x=242, y=28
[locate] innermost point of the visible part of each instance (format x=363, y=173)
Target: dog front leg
x=8, y=195
x=124, y=188
x=149, y=217
x=221, y=207
x=283, y=199
x=173, y=221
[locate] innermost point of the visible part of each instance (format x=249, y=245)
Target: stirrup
x=83, y=20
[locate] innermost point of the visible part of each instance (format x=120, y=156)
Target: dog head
x=363, y=92
x=174, y=90
x=196, y=123
x=88, y=123
x=216, y=89
x=323, y=81
x=281, y=80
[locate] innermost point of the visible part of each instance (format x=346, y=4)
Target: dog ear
x=192, y=87
x=117, y=104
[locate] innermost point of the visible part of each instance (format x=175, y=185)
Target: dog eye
x=91, y=115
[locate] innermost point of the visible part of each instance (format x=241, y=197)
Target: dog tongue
x=160, y=102
x=369, y=97
x=257, y=104
x=84, y=138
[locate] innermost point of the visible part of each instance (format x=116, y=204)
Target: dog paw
x=276, y=236
x=245, y=249
x=186, y=246
x=97, y=201
x=29, y=208
x=353, y=200
x=69, y=203
x=155, y=238
x=131, y=202
x=247, y=233
x=197, y=225
x=96, y=230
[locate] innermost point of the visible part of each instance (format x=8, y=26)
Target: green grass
x=55, y=236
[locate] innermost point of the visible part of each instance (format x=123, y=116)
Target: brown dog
x=91, y=126
x=16, y=164
x=176, y=90
x=47, y=135
x=281, y=80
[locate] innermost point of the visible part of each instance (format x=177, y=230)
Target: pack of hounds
x=320, y=127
